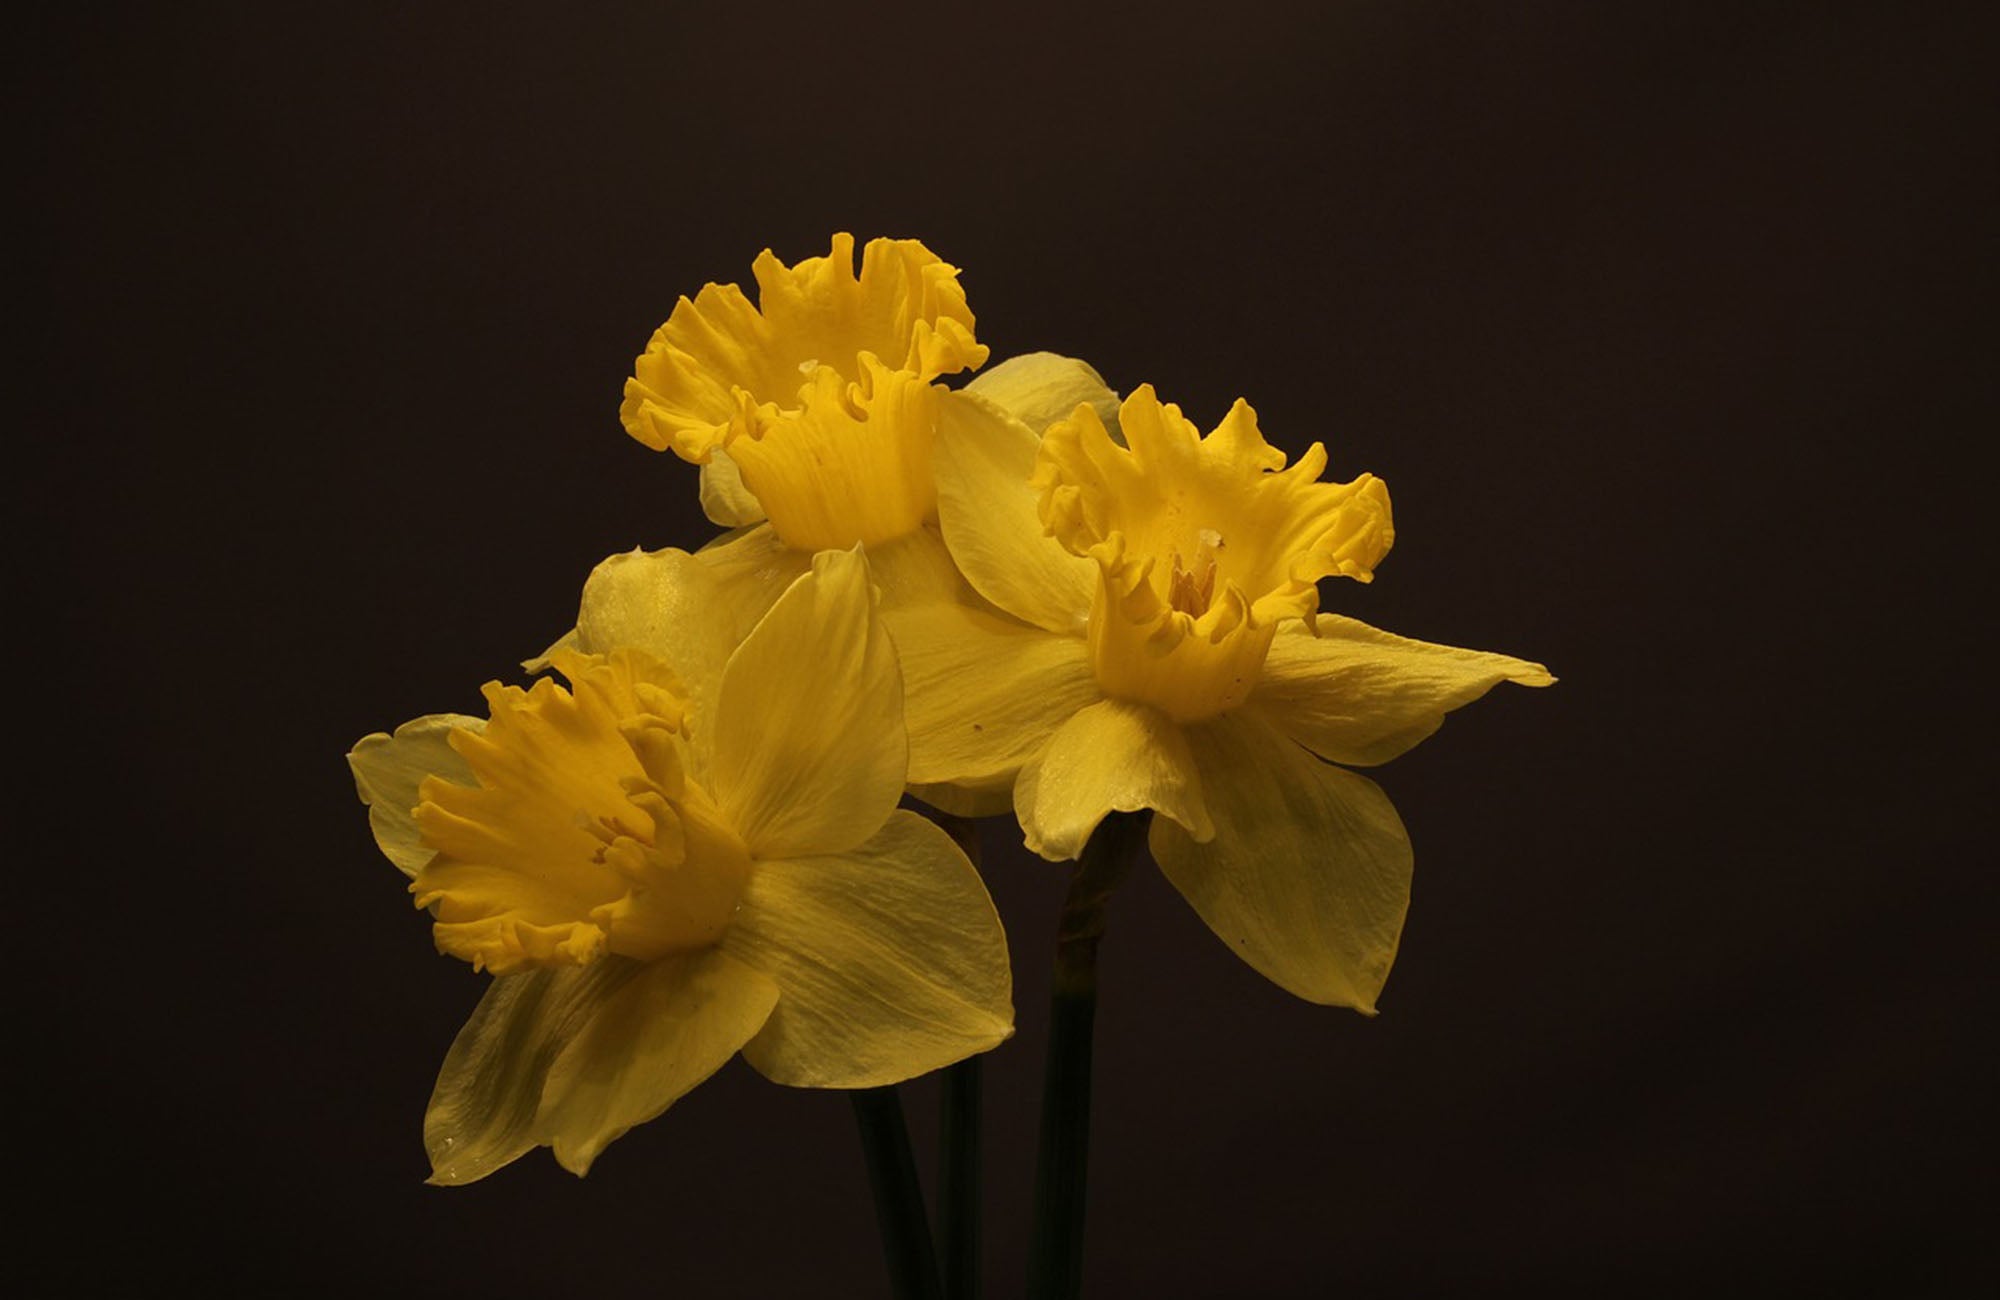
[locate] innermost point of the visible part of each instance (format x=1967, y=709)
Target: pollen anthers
x=1203, y=545
x=584, y=834
x=826, y=358
x=1188, y=593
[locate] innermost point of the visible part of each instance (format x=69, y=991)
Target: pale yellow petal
x=914, y=570
x=1111, y=756
x=754, y=566
x=991, y=518
x=724, y=499
x=387, y=771
x=674, y=1023
x=983, y=693
x=1308, y=875
x=1039, y=388
x=677, y=608
x=660, y=602
x=1358, y=695
x=809, y=754
x=669, y=604
x=482, y=1111
x=889, y=960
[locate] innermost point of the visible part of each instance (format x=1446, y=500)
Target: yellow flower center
x=820, y=393
x=584, y=834
x=1203, y=546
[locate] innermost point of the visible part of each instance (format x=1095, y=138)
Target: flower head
x=692, y=849
x=1150, y=638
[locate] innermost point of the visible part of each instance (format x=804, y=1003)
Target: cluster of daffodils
x=1016, y=596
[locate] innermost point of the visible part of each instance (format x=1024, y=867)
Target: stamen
x=1187, y=594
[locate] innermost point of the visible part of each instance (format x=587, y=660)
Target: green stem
x=959, y=1161
x=958, y=1179
x=899, y=1199
x=1055, y=1261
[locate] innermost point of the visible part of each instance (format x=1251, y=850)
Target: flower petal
x=991, y=517
x=915, y=569
x=754, y=566
x=1359, y=695
x=808, y=750
x=724, y=499
x=1114, y=755
x=678, y=608
x=1039, y=388
x=669, y=604
x=387, y=771
x=674, y=1023
x=890, y=960
x=982, y=693
x=1308, y=876
x=482, y=1111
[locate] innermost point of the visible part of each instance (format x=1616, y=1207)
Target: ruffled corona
x=819, y=393
x=584, y=834
x=1203, y=546
x=842, y=472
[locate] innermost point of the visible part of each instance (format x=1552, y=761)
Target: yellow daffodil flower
x=813, y=414
x=692, y=849
x=1147, y=635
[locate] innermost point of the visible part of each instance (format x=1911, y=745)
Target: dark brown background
x=1658, y=319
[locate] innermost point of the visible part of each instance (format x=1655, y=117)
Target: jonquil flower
x=692, y=849
x=1154, y=641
